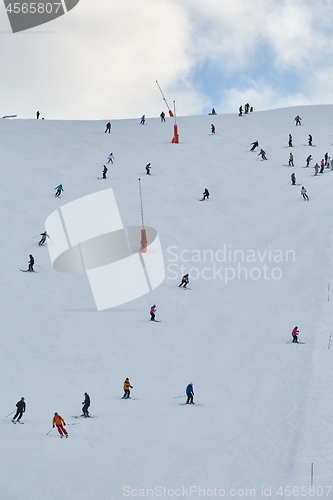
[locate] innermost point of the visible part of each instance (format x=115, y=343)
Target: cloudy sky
x=102, y=59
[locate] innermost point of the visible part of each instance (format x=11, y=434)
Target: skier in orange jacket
x=127, y=387
x=60, y=423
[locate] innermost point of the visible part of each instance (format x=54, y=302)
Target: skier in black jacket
x=20, y=405
x=86, y=404
x=31, y=263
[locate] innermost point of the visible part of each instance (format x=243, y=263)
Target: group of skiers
x=247, y=108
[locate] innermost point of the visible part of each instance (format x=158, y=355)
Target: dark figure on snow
x=59, y=190
x=213, y=112
x=143, y=119
x=294, y=334
x=86, y=404
x=37, y=114
x=262, y=154
x=212, y=129
x=293, y=179
x=205, y=194
x=43, y=238
x=316, y=167
x=185, y=281
x=309, y=158
x=322, y=166
x=127, y=387
x=20, y=405
x=240, y=111
x=326, y=159
x=31, y=263
x=162, y=116
x=108, y=128
x=246, y=108
x=254, y=145
x=304, y=194
x=298, y=120
x=291, y=160
x=148, y=167
x=152, y=312
x=189, y=394
x=105, y=170
x=290, y=141
x=310, y=140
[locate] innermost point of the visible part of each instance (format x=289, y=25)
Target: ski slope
x=267, y=405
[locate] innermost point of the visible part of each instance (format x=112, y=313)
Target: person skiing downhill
x=110, y=158
x=304, y=194
x=162, y=116
x=152, y=312
x=60, y=423
x=309, y=158
x=148, y=167
x=326, y=159
x=185, y=281
x=105, y=170
x=86, y=404
x=298, y=120
x=59, y=191
x=143, y=119
x=291, y=160
x=290, y=141
x=316, y=167
x=108, y=128
x=262, y=154
x=189, y=394
x=43, y=238
x=322, y=166
x=293, y=179
x=127, y=386
x=205, y=194
x=240, y=111
x=212, y=129
x=20, y=405
x=31, y=264
x=310, y=140
x=254, y=145
x=246, y=108
x=294, y=334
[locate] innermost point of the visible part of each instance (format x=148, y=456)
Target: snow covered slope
x=260, y=262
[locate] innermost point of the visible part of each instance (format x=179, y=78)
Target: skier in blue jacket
x=59, y=190
x=189, y=394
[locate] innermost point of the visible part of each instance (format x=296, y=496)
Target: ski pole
x=50, y=431
x=10, y=414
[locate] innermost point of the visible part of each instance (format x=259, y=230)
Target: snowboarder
x=316, y=167
x=60, y=423
x=162, y=116
x=152, y=312
x=262, y=154
x=43, y=238
x=37, y=114
x=254, y=145
x=105, y=170
x=304, y=193
x=185, y=281
x=298, y=120
x=293, y=179
x=309, y=158
x=108, y=128
x=110, y=158
x=189, y=394
x=290, y=141
x=143, y=119
x=20, y=405
x=212, y=129
x=148, y=167
x=310, y=140
x=240, y=111
x=127, y=387
x=291, y=160
x=59, y=190
x=294, y=334
x=31, y=264
x=322, y=166
x=205, y=194
x=86, y=404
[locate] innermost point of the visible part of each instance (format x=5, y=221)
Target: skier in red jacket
x=294, y=334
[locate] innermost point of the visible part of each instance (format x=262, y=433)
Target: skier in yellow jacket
x=127, y=387
x=60, y=423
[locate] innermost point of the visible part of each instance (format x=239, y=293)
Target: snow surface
x=267, y=406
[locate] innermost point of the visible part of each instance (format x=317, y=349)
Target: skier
x=254, y=145
x=31, y=264
x=322, y=166
x=127, y=387
x=240, y=111
x=86, y=404
x=263, y=154
x=162, y=116
x=290, y=141
x=316, y=167
x=304, y=193
x=37, y=114
x=326, y=159
x=20, y=405
x=293, y=179
x=246, y=108
x=328, y=162
x=59, y=190
x=108, y=128
x=152, y=312
x=294, y=334
x=110, y=158
x=148, y=167
x=212, y=129
x=310, y=140
x=298, y=120
x=205, y=194
x=143, y=119
x=60, y=423
x=185, y=281
x=105, y=170
x=43, y=238
x=213, y=112
x=309, y=158
x=291, y=160
x=189, y=394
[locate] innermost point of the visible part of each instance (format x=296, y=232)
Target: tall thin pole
x=143, y=225
x=174, y=111
x=164, y=99
x=311, y=473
